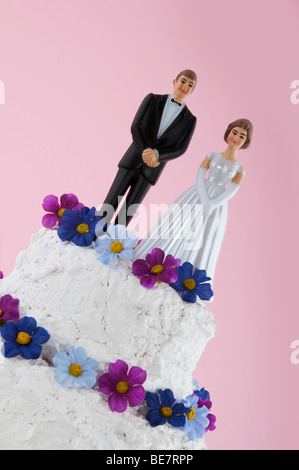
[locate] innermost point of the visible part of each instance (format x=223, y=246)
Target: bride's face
x=237, y=137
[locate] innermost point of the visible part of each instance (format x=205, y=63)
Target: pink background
x=75, y=72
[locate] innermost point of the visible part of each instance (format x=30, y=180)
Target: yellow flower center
x=61, y=212
x=23, y=338
x=1, y=313
x=191, y=415
x=117, y=247
x=189, y=284
x=75, y=370
x=166, y=412
x=158, y=269
x=82, y=229
x=122, y=387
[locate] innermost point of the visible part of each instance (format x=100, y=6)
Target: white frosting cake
x=105, y=310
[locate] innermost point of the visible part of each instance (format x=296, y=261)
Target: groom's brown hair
x=188, y=73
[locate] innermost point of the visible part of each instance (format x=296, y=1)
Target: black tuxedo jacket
x=172, y=144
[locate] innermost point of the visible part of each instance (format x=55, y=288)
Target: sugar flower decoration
x=9, y=309
x=1, y=275
x=200, y=392
x=156, y=268
x=74, y=368
x=117, y=242
x=191, y=285
x=23, y=338
x=212, y=422
x=78, y=226
x=123, y=386
x=203, y=399
x=165, y=409
x=204, y=396
x=206, y=403
x=196, y=420
x=56, y=208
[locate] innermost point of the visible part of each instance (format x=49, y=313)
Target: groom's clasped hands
x=150, y=158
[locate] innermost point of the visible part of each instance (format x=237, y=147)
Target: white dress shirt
x=170, y=113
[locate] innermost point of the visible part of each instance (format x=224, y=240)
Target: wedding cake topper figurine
x=162, y=130
x=208, y=225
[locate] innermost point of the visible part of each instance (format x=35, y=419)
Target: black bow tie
x=180, y=104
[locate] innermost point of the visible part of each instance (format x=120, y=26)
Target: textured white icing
x=104, y=309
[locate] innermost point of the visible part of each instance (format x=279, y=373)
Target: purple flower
x=156, y=269
x=56, y=209
x=1, y=275
x=9, y=309
x=204, y=400
x=123, y=387
x=212, y=420
x=208, y=404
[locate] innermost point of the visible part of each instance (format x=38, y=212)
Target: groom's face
x=182, y=88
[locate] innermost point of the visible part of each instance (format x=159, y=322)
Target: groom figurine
x=162, y=130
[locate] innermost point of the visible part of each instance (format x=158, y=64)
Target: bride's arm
x=230, y=191
x=200, y=180
x=238, y=178
x=206, y=163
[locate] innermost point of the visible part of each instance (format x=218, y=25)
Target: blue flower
x=197, y=420
x=200, y=392
x=78, y=226
x=23, y=338
x=164, y=408
x=203, y=394
x=74, y=368
x=192, y=284
x=116, y=243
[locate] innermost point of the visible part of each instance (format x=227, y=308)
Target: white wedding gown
x=184, y=231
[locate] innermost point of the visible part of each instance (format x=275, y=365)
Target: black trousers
x=138, y=188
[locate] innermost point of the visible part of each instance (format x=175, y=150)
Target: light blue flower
x=195, y=384
x=116, y=243
x=197, y=420
x=74, y=368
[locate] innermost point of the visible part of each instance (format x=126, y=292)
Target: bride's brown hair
x=244, y=124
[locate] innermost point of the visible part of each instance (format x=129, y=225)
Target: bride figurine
x=193, y=228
